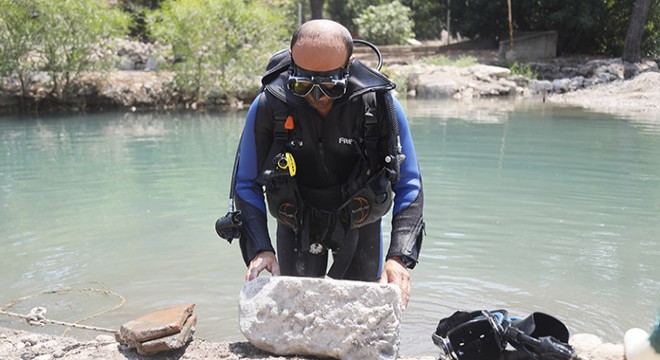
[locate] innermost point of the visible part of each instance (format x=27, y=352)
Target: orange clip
x=288, y=124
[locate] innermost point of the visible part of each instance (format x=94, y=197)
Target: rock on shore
x=478, y=81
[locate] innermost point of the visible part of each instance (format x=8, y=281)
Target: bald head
x=323, y=37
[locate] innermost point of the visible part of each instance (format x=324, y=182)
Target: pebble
x=105, y=339
x=30, y=340
x=45, y=346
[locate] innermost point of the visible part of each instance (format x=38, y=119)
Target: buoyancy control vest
x=367, y=194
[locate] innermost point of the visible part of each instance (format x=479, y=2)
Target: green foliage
x=77, y=34
x=461, y=61
x=288, y=11
x=577, y=22
x=651, y=42
x=219, y=46
x=137, y=9
x=385, y=24
x=479, y=18
x=346, y=11
x=62, y=37
x=430, y=17
x=19, y=34
x=523, y=70
x=589, y=26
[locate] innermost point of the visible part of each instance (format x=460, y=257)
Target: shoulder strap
x=372, y=127
x=395, y=151
x=280, y=133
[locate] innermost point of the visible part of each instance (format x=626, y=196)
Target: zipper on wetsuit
x=322, y=153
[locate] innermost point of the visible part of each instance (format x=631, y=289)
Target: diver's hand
x=264, y=260
x=396, y=272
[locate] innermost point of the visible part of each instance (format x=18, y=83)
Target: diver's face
x=314, y=57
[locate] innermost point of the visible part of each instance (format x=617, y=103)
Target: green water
x=529, y=207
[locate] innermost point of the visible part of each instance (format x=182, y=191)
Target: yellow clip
x=291, y=164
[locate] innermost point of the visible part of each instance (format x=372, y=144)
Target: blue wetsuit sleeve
x=407, y=214
x=249, y=196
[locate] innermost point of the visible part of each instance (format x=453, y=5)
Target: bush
x=385, y=24
x=62, y=37
x=461, y=61
x=346, y=11
x=76, y=37
x=19, y=35
x=220, y=47
x=523, y=70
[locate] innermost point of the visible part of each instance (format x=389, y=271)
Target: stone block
x=171, y=342
x=154, y=325
x=321, y=317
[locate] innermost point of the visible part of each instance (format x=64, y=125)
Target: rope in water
x=36, y=316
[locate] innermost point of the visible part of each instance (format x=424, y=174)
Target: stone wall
x=529, y=46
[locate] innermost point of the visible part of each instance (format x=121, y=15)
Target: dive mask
x=331, y=83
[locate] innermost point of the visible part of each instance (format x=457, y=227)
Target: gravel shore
x=637, y=98
x=23, y=345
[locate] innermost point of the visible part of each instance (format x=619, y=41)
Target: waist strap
x=342, y=260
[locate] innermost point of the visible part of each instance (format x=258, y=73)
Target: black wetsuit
x=325, y=162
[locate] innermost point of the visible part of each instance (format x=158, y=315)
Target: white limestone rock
x=321, y=317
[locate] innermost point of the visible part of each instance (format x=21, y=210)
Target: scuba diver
x=331, y=147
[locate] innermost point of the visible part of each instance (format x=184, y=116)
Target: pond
x=529, y=207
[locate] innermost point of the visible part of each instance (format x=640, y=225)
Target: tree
x=429, y=17
x=219, y=46
x=62, y=37
x=345, y=11
x=386, y=24
x=138, y=10
x=633, y=43
x=19, y=36
x=317, y=8
x=77, y=32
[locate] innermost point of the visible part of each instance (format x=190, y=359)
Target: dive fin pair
x=485, y=335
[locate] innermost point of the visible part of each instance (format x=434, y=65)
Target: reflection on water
x=529, y=207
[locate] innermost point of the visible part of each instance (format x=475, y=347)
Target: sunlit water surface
x=528, y=207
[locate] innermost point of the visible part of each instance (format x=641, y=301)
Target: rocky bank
x=138, y=83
